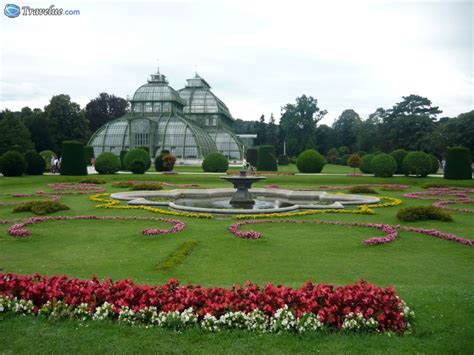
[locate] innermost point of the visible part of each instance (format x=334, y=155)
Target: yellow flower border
x=115, y=204
x=391, y=202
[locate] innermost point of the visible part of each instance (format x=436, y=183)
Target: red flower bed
x=331, y=304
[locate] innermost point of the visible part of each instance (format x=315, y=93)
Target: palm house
x=160, y=119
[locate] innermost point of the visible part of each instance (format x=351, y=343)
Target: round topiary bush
x=136, y=154
x=137, y=166
x=383, y=165
x=399, y=155
x=283, y=160
x=159, y=163
x=168, y=161
x=458, y=164
x=365, y=163
x=12, y=163
x=47, y=156
x=310, y=161
x=73, y=161
x=215, y=163
x=252, y=156
x=121, y=156
x=35, y=164
x=423, y=213
x=267, y=160
x=434, y=164
x=88, y=154
x=107, y=163
x=417, y=163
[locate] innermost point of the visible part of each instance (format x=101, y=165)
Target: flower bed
x=452, y=196
x=131, y=183
x=390, y=231
x=18, y=229
x=276, y=173
x=312, y=307
x=115, y=204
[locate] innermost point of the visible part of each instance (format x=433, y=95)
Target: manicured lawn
x=435, y=277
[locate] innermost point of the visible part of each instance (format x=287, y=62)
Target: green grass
x=434, y=276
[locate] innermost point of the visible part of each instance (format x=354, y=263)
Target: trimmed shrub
x=362, y=189
x=73, y=161
x=417, y=163
x=252, y=156
x=12, y=163
x=434, y=164
x=267, y=160
x=310, y=161
x=150, y=186
x=423, y=213
x=168, y=162
x=354, y=161
x=121, y=156
x=215, y=163
x=177, y=256
x=41, y=207
x=137, y=166
x=145, y=148
x=136, y=154
x=283, y=160
x=159, y=163
x=35, y=164
x=47, y=155
x=107, y=163
x=458, y=164
x=88, y=154
x=399, y=155
x=365, y=163
x=93, y=180
x=383, y=165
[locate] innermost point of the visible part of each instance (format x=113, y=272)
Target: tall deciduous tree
x=38, y=126
x=413, y=105
x=13, y=133
x=66, y=120
x=299, y=124
x=346, y=128
x=261, y=131
x=103, y=109
x=272, y=132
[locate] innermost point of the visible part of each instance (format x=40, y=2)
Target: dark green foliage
x=150, y=186
x=399, y=155
x=283, y=160
x=137, y=166
x=159, y=163
x=41, y=207
x=252, y=156
x=122, y=155
x=73, y=162
x=417, y=163
x=12, y=163
x=423, y=213
x=103, y=109
x=88, y=154
x=354, y=161
x=177, y=256
x=144, y=147
x=267, y=160
x=362, y=189
x=310, y=161
x=458, y=164
x=14, y=133
x=434, y=164
x=107, y=163
x=215, y=163
x=93, y=180
x=35, y=164
x=47, y=155
x=136, y=154
x=365, y=163
x=383, y=165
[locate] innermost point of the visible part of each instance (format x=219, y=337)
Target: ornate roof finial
x=157, y=66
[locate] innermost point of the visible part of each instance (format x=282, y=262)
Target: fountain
x=242, y=198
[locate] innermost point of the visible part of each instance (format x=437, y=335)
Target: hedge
x=12, y=163
x=283, y=160
x=35, y=164
x=399, y=155
x=121, y=156
x=136, y=154
x=215, y=163
x=252, y=156
x=434, y=164
x=458, y=164
x=310, y=161
x=383, y=165
x=417, y=163
x=365, y=163
x=107, y=163
x=73, y=161
x=267, y=160
x=88, y=154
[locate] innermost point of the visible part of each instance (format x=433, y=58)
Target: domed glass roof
x=157, y=90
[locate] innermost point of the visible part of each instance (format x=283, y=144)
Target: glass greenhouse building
x=163, y=119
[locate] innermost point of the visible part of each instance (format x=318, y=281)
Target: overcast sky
x=256, y=55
